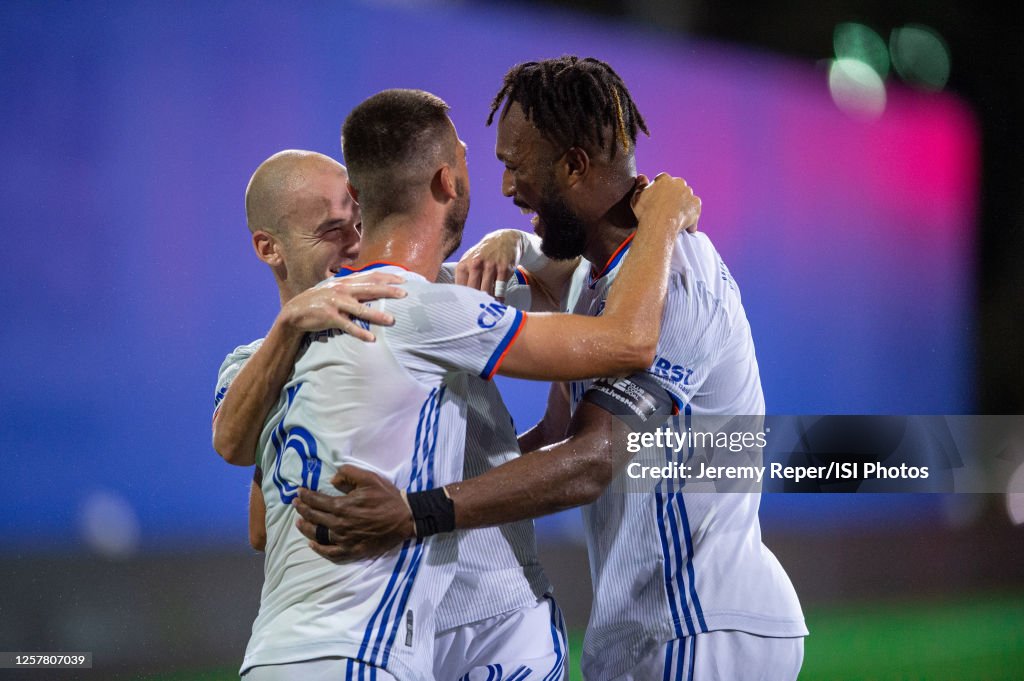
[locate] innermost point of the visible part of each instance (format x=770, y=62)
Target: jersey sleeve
x=230, y=367
x=694, y=329
x=517, y=290
x=447, y=273
x=447, y=328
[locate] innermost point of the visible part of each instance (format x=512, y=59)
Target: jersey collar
x=345, y=271
x=613, y=261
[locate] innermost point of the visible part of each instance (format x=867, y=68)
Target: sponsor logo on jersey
x=491, y=315
x=675, y=373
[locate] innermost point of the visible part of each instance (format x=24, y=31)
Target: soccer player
x=305, y=227
x=498, y=612
x=398, y=405
x=683, y=586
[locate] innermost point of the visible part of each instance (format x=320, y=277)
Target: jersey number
x=294, y=442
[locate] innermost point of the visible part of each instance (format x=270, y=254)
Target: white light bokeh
x=1015, y=500
x=109, y=525
x=856, y=88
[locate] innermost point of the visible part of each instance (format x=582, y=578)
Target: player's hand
x=666, y=199
x=492, y=260
x=335, y=303
x=370, y=520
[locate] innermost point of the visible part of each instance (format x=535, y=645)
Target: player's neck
x=285, y=290
x=606, y=235
x=403, y=241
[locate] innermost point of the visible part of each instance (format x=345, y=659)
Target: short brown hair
x=393, y=142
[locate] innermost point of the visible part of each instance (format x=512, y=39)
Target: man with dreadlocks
x=683, y=586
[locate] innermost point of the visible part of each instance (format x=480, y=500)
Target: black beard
x=565, y=234
x=455, y=220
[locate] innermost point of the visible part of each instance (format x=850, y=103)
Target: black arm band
x=432, y=511
x=639, y=400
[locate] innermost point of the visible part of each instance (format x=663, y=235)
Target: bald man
x=305, y=227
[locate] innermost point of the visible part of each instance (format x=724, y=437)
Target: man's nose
x=508, y=187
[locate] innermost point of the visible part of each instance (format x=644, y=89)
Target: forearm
x=254, y=391
x=257, y=513
x=570, y=473
x=637, y=296
x=553, y=425
x=534, y=438
x=563, y=347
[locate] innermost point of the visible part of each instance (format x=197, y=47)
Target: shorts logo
x=491, y=315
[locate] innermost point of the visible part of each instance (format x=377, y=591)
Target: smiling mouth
x=526, y=210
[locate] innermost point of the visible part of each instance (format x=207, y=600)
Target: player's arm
x=257, y=512
x=624, y=337
x=239, y=418
x=552, y=426
x=572, y=472
x=374, y=516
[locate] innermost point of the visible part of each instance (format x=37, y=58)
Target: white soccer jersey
x=498, y=570
x=674, y=562
x=396, y=407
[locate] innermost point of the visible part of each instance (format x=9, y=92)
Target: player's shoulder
x=447, y=273
x=424, y=292
x=231, y=365
x=693, y=250
x=242, y=353
x=695, y=260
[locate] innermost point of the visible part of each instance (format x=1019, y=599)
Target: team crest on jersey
x=491, y=315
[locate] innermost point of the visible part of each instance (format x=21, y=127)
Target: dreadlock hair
x=573, y=102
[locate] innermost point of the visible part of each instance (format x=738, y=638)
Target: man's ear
x=353, y=191
x=576, y=165
x=267, y=248
x=443, y=184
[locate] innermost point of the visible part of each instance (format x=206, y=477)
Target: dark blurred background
x=986, y=70
x=859, y=165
